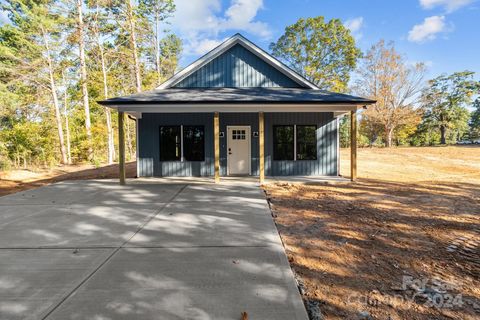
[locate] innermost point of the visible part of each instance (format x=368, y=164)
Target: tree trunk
x=129, y=139
x=83, y=78
x=389, y=137
x=108, y=113
x=157, y=49
x=53, y=89
x=67, y=127
x=133, y=44
x=443, y=131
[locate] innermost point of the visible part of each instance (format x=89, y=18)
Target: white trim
x=295, y=142
x=136, y=147
x=199, y=108
x=249, y=135
x=182, y=159
x=227, y=44
x=339, y=114
x=338, y=146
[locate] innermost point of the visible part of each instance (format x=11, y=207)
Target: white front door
x=238, y=150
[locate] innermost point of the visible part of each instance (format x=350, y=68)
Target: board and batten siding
x=326, y=163
x=149, y=144
x=149, y=164
x=237, y=68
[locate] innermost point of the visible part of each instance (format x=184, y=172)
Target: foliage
x=445, y=101
x=344, y=132
x=323, y=52
x=39, y=30
x=474, y=122
x=385, y=76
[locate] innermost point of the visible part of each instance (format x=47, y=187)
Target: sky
x=444, y=34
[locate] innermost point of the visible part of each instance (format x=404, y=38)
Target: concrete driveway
x=95, y=250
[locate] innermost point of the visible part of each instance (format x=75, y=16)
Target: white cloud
x=355, y=25
x=427, y=30
x=449, y=5
x=199, y=22
x=3, y=17
x=202, y=46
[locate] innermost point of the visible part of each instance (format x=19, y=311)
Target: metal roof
x=236, y=96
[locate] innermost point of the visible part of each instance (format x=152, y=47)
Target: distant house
x=237, y=111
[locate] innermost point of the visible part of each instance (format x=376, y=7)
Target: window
x=295, y=142
x=194, y=143
x=239, y=134
x=306, y=142
x=192, y=148
x=170, y=147
x=283, y=142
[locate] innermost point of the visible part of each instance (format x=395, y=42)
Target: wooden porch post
x=216, y=145
x=121, y=147
x=261, y=143
x=353, y=145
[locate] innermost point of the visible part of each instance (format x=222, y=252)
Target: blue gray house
x=237, y=111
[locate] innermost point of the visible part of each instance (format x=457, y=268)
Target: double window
x=295, y=142
x=182, y=142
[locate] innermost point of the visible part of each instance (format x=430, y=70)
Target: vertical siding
x=236, y=68
x=149, y=153
x=326, y=163
x=149, y=148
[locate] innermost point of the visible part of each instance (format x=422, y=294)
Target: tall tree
x=131, y=19
x=386, y=77
x=323, y=52
x=475, y=121
x=100, y=28
x=83, y=76
x=65, y=114
x=156, y=12
x=445, y=99
x=35, y=27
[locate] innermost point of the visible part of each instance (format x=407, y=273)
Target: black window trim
x=182, y=157
x=274, y=142
x=294, y=140
x=160, y=142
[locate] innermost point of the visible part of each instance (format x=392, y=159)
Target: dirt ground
x=17, y=180
x=403, y=242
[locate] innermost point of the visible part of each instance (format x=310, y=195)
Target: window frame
x=161, y=154
x=275, y=141
x=203, y=142
x=295, y=141
x=182, y=142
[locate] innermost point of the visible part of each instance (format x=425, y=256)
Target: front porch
x=217, y=137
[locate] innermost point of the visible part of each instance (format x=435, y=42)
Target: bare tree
x=67, y=127
x=53, y=90
x=385, y=76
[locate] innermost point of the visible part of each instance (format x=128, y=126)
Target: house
x=237, y=111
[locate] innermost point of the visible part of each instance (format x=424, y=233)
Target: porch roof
x=236, y=96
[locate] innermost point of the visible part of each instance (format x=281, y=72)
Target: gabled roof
x=237, y=39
